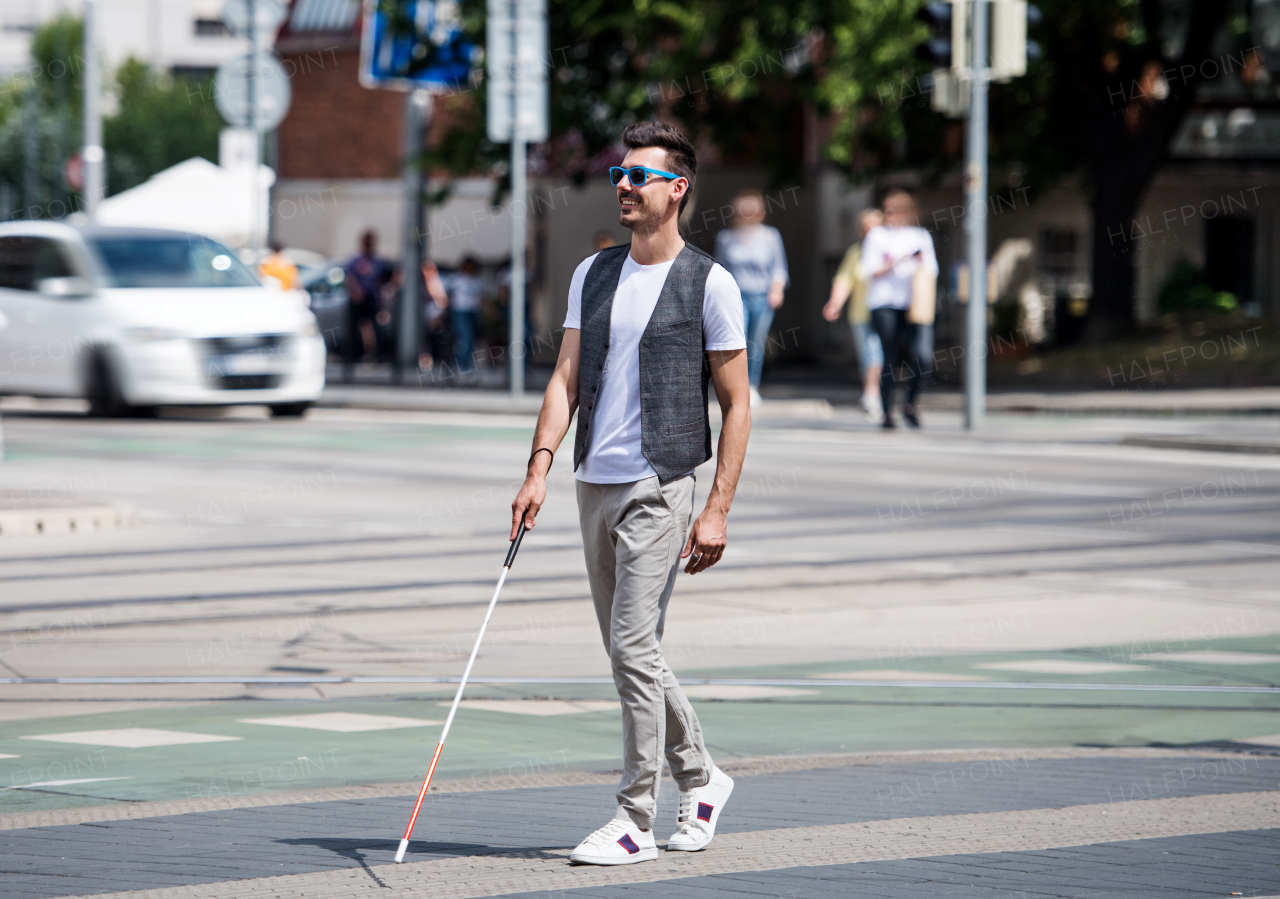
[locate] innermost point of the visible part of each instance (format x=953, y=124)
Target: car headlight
x=148, y=335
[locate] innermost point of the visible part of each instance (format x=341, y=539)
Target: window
x=211, y=28
x=143, y=261
x=25, y=261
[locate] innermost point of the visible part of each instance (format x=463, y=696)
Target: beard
x=642, y=219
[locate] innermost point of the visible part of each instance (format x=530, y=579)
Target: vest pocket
x=692, y=427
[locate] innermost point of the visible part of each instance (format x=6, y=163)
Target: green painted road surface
x=488, y=746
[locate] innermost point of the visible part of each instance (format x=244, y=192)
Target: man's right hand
x=533, y=493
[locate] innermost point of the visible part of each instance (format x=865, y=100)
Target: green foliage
x=57, y=62
x=745, y=76
x=1185, y=289
x=160, y=122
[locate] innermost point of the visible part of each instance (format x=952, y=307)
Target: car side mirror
x=71, y=287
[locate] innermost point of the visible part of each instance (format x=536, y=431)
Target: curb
x=71, y=520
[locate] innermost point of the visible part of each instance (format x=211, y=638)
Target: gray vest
x=675, y=432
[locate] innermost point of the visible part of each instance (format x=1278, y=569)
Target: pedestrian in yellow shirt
x=850, y=285
x=278, y=266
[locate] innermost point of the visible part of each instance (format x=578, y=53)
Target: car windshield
x=137, y=261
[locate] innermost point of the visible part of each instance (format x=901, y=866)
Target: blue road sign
x=414, y=43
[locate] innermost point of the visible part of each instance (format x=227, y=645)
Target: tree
x=40, y=122
x=749, y=78
x=1125, y=73
x=159, y=121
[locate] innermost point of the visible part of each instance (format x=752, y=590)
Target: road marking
x=131, y=738
x=903, y=674
x=1060, y=666
x=741, y=691
x=249, y=679
x=1028, y=830
x=342, y=722
x=540, y=707
x=62, y=783
x=1214, y=657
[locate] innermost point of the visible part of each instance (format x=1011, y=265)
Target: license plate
x=241, y=364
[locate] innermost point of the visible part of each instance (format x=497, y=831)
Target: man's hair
x=681, y=158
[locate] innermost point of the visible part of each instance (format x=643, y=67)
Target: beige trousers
x=633, y=535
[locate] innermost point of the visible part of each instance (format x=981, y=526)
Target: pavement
x=1037, y=659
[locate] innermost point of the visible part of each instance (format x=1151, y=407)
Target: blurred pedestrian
x=899, y=263
x=466, y=293
x=366, y=276
x=279, y=267
x=435, y=305
x=849, y=285
x=752, y=252
x=602, y=240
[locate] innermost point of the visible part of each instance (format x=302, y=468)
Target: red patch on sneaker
x=704, y=811
x=628, y=844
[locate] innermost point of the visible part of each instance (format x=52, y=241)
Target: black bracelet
x=541, y=449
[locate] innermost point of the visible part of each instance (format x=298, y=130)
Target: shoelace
x=609, y=833
x=685, y=818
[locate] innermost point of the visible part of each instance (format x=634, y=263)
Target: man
x=366, y=275
x=849, y=285
x=645, y=322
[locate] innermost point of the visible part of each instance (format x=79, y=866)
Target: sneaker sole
x=644, y=855
x=715, y=818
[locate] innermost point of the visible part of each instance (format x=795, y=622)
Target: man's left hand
x=706, y=543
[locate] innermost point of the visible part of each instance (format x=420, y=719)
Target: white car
x=131, y=319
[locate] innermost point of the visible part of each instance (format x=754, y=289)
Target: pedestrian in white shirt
x=647, y=322
x=891, y=256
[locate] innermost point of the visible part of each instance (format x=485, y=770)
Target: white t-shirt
x=881, y=243
x=613, y=455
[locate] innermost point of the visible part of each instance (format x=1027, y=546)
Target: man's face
x=643, y=208
x=369, y=244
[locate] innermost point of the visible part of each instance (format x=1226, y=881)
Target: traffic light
x=947, y=51
x=1008, y=39
x=937, y=48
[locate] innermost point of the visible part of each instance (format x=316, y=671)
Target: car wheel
x=289, y=410
x=104, y=396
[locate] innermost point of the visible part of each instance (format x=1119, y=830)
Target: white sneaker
x=875, y=411
x=617, y=843
x=756, y=398
x=699, y=810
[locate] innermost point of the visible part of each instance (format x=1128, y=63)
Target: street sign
x=516, y=70
x=271, y=92
x=266, y=15
x=408, y=44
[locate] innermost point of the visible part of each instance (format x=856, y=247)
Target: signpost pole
x=417, y=114
x=93, y=156
x=519, y=204
x=251, y=95
x=975, y=366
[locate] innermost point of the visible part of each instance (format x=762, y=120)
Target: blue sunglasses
x=637, y=174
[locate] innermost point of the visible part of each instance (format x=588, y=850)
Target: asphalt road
x=366, y=543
